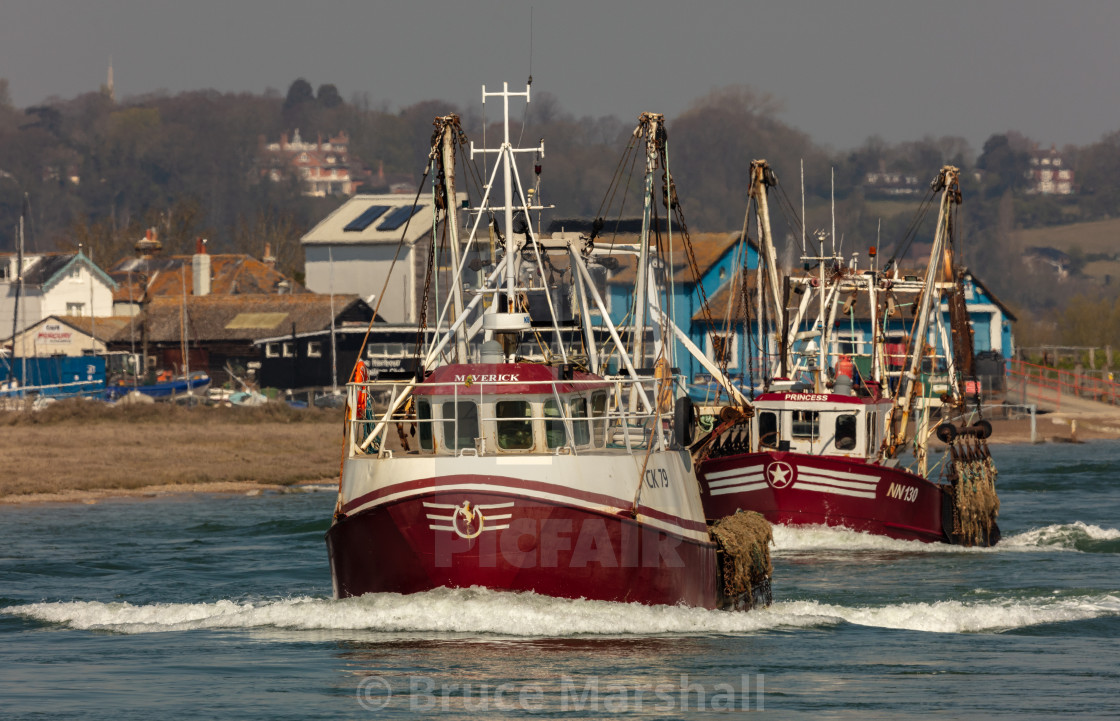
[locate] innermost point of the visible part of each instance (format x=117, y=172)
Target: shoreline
x=1049, y=428
x=92, y=496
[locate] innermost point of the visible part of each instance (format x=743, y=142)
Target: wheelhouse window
x=805, y=424
x=768, y=428
x=424, y=416
x=599, y=411
x=272, y=350
x=579, y=427
x=314, y=349
x=846, y=431
x=515, y=429
x=554, y=427
x=460, y=424
x=289, y=349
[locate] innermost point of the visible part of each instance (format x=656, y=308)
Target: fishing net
x=975, y=502
x=743, y=541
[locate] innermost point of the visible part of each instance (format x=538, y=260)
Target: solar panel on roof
x=368, y=215
x=398, y=217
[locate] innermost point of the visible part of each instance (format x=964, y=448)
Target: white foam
x=480, y=612
x=314, y=488
x=1061, y=536
x=1058, y=537
x=961, y=617
x=829, y=538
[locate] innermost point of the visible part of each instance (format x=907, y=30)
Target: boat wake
x=1077, y=536
x=479, y=612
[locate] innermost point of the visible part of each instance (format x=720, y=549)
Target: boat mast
x=948, y=181
x=448, y=125
x=762, y=178
x=648, y=125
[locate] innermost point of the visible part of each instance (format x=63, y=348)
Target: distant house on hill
x=53, y=284
x=893, y=184
x=1040, y=257
x=323, y=167
x=1048, y=174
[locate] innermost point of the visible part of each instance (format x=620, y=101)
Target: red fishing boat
x=515, y=469
x=824, y=449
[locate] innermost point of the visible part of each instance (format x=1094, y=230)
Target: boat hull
x=797, y=489
x=425, y=541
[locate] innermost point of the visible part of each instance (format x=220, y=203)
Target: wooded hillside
x=96, y=171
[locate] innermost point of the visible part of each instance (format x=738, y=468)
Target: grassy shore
x=79, y=446
x=81, y=451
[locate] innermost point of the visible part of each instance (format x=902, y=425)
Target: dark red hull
x=419, y=543
x=797, y=489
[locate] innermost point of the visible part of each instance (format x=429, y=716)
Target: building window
x=272, y=350
x=289, y=349
x=849, y=344
x=314, y=349
x=75, y=309
x=723, y=349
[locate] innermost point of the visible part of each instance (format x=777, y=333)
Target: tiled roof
x=45, y=268
x=242, y=317
x=230, y=274
x=707, y=247
x=104, y=326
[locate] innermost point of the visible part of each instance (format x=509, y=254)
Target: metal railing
x=622, y=423
x=1044, y=384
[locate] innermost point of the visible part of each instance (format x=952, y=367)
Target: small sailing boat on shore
x=516, y=457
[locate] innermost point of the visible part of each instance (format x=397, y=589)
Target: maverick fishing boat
x=509, y=460
x=826, y=448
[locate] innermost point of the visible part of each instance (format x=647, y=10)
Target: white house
x=352, y=250
x=54, y=284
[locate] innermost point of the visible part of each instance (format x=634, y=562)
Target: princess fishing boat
x=531, y=449
x=824, y=442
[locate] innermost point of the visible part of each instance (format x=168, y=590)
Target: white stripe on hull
x=667, y=526
x=833, y=490
x=739, y=489
x=732, y=472
x=746, y=477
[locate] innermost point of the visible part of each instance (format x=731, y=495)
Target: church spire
x=109, y=82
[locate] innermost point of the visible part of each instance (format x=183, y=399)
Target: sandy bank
x=91, y=496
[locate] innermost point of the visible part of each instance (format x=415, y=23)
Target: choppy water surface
x=220, y=607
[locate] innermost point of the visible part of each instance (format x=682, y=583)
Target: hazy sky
x=842, y=71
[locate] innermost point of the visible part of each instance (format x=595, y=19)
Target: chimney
x=149, y=245
x=269, y=259
x=200, y=269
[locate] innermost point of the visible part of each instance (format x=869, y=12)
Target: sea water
x=220, y=607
